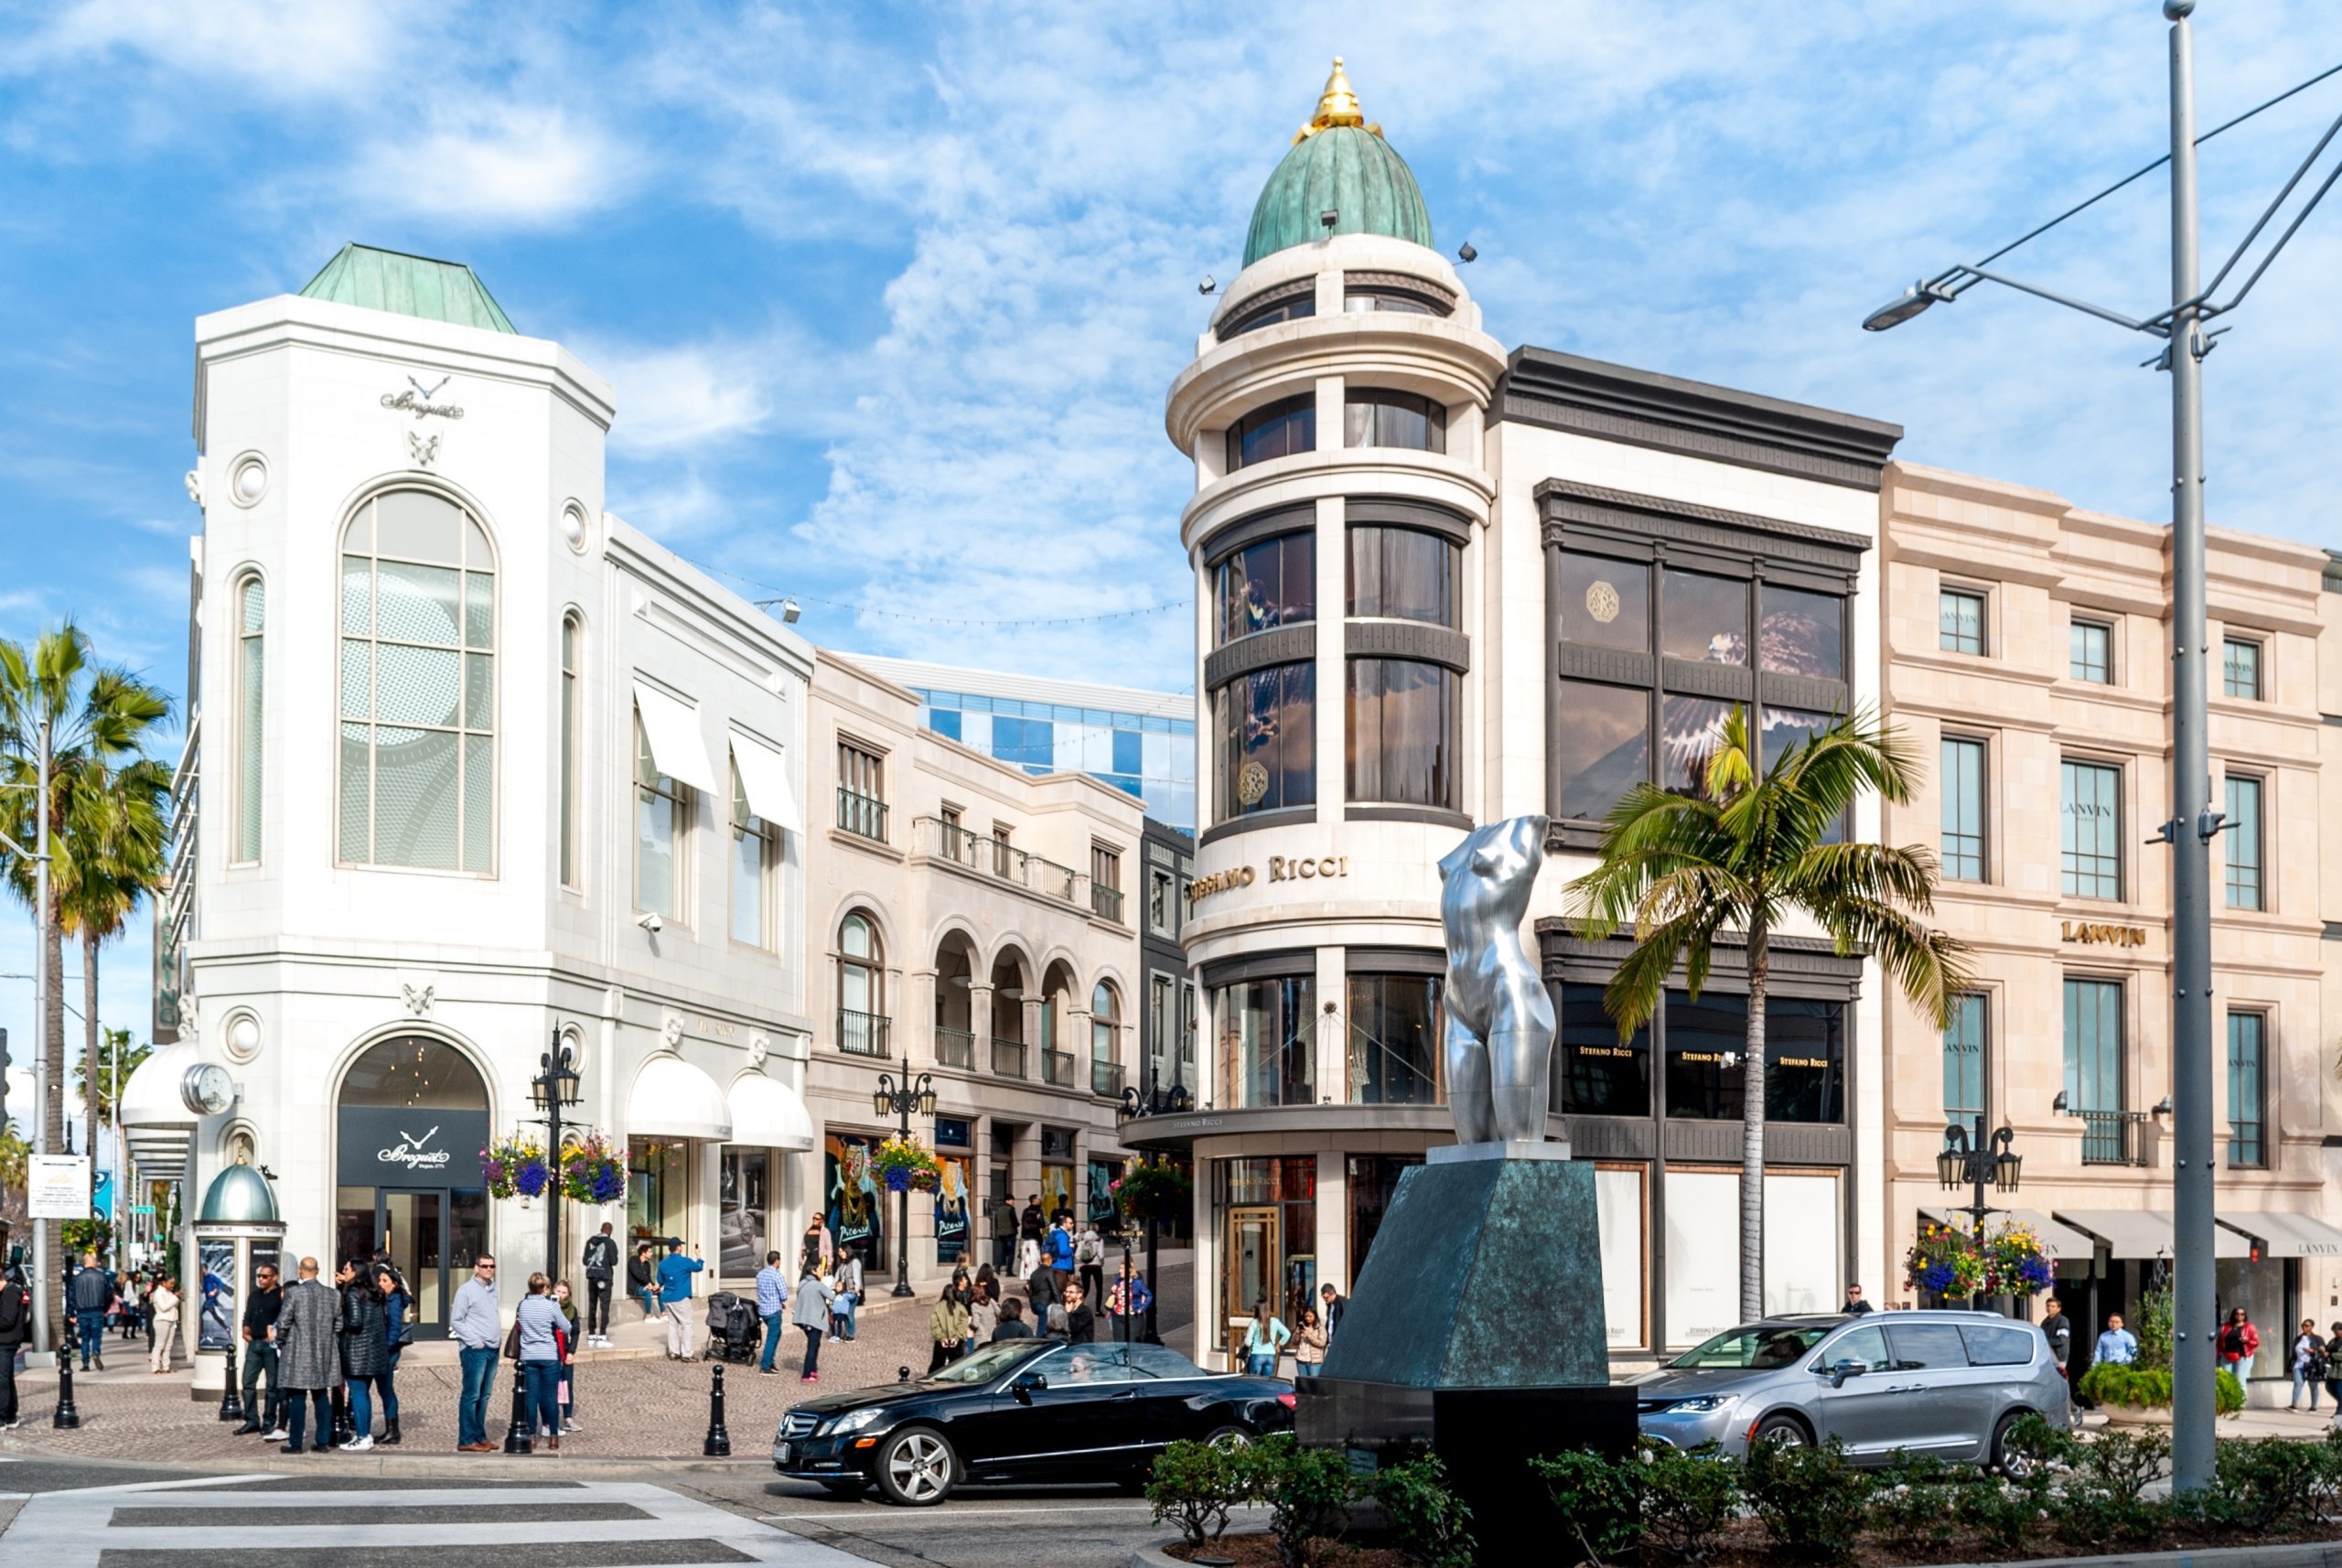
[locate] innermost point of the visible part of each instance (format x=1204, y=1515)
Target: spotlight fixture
x=1466, y=253
x=789, y=611
x=1209, y=285
x=1328, y=219
x=650, y=922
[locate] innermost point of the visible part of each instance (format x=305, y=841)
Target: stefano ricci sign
x=1279, y=869
x=423, y=1146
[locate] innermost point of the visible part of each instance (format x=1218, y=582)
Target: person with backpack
x=1090, y=1263
x=15, y=1327
x=601, y=1271
x=1060, y=1246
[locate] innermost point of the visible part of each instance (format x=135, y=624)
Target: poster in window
x=741, y=1213
x=850, y=1192
x=1802, y=1278
x=951, y=1211
x=219, y=1293
x=1056, y=1190
x=1101, y=1194
x=1618, y=1208
x=1702, y=1254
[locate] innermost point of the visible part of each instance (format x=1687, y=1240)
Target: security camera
x=1209, y=285
x=789, y=611
x=1465, y=252
x=650, y=922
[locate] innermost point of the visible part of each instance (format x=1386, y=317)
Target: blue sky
x=891, y=295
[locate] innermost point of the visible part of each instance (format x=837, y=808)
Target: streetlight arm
x=2271, y=212
x=2085, y=306
x=2289, y=229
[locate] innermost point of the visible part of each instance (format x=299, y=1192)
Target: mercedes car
x=1024, y=1411
x=1948, y=1383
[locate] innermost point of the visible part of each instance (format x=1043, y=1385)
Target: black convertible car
x=1026, y=1409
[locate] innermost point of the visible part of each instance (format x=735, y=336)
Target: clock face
x=207, y=1089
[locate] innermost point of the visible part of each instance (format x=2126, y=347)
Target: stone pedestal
x=1476, y=1327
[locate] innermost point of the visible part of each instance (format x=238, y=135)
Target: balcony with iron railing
x=2113, y=1137
x=864, y=816
x=1057, y=1068
x=955, y=1047
x=1106, y=1079
x=1007, y=1058
x=863, y=1034
x=936, y=839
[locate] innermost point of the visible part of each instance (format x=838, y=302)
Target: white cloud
x=287, y=48
x=501, y=165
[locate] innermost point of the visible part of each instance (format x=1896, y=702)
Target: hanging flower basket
x=1951, y=1263
x=1152, y=1192
x=905, y=1164
x=592, y=1170
x=513, y=1167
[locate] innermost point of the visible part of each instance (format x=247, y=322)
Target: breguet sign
x=382, y=1146
x=1280, y=868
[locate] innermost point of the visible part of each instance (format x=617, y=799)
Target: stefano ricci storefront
x=1440, y=585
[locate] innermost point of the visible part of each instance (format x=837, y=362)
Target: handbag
x=512, y=1342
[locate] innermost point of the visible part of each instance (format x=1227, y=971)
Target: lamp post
x=554, y=1091
x=1973, y=1160
x=1157, y=1101
x=889, y=1100
x=2193, y=822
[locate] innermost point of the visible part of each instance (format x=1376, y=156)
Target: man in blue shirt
x=772, y=1297
x=675, y=1273
x=2118, y=1344
x=1061, y=1250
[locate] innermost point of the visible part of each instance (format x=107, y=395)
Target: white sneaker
x=358, y=1446
x=279, y=1435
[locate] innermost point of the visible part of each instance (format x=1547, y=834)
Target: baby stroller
x=733, y=1331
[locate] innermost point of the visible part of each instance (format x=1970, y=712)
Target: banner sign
x=57, y=1186
x=385, y=1146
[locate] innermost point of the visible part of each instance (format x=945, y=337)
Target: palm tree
x=1742, y=853
x=57, y=701
x=114, y=855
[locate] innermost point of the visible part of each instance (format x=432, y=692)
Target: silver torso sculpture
x=1499, y=1017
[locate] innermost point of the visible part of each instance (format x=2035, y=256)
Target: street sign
x=142, y=1208
x=57, y=1186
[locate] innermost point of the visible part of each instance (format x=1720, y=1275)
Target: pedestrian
x=563, y=1298
x=1308, y=1345
x=535, y=1325
x=2309, y=1363
x=1003, y=1233
x=1090, y=1263
x=2238, y=1342
x=675, y=1273
x=601, y=1271
x=1030, y=1228
x=395, y=1334
x=818, y=1246
x=305, y=1362
x=165, y=1303
x=846, y=1281
x=1129, y=1302
x=1012, y=1324
x=92, y=1291
x=2117, y=1344
x=947, y=1328
x=1855, y=1305
x=2334, y=1372
x=1041, y=1289
x=2059, y=1332
x=989, y=1278
x=1333, y=1301
x=1265, y=1336
x=1081, y=1317
x=1061, y=1249
x=642, y=1280
x=15, y=1327
x=772, y=1304
x=983, y=1315
x=475, y=1325
x=365, y=1350
x=814, y=1295
x=262, y=1412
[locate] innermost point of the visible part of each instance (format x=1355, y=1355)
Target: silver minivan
x=1947, y=1383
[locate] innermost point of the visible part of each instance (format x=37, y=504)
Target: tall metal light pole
x=554, y=1089
x=2193, y=822
x=889, y=1100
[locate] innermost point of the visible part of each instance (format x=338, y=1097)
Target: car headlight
x=853, y=1421
x=1707, y=1402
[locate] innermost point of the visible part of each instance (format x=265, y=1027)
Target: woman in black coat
x=365, y=1351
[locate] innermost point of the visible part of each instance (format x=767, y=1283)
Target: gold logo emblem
x=1602, y=603
x=1251, y=783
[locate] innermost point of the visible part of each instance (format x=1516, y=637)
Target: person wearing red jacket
x=2239, y=1342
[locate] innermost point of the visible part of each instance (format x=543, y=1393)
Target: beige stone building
x=2028, y=665
x=970, y=921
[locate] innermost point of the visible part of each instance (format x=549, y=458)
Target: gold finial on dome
x=1337, y=105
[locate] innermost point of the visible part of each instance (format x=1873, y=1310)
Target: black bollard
x=520, y=1436
x=342, y=1429
x=66, y=1418
x=719, y=1442
x=231, y=1402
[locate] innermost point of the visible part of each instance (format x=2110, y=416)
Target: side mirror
x=1844, y=1369
x=1022, y=1386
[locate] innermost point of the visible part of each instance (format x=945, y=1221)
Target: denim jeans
x=1261, y=1363
x=544, y=1379
x=773, y=1322
x=2301, y=1377
x=812, y=1348
x=92, y=1327
x=296, y=1406
x=260, y=1367
x=389, y=1393
x=471, y=1407
x=842, y=1318
x=361, y=1407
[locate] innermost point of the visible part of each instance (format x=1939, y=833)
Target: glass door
x=1253, y=1274
x=413, y=1225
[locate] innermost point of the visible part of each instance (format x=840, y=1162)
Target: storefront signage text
x=413, y=1152
x=2110, y=936
x=1281, y=868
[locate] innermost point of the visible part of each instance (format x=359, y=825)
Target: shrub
x=1427, y=1521
x=2105, y=1497
x=1914, y=1506
x=2271, y=1484
x=1999, y=1511
x=2149, y=1388
x=1811, y=1501
x=1307, y=1492
x=1195, y=1485
x=1600, y=1496
x=1688, y=1498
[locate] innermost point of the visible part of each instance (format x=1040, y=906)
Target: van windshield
x=1755, y=1345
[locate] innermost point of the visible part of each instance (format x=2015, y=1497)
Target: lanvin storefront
x=1441, y=585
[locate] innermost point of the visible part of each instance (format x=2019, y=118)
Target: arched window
x=862, y=988
x=573, y=659
x=1106, y=1056
x=252, y=614
x=1376, y=417
x=418, y=635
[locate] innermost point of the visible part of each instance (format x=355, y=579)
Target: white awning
x=152, y=1096
x=2144, y=1233
x=673, y=1099
x=672, y=729
x=2287, y=1235
x=2059, y=1241
x=767, y=1113
x=764, y=774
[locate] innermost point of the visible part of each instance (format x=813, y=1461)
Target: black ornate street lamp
x=1177, y=1100
x=1973, y=1160
x=889, y=1100
x=554, y=1091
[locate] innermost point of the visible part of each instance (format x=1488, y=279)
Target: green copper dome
x=410, y=286
x=238, y=1196
x=1341, y=165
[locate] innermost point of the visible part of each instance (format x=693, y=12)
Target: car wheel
x=2015, y=1466
x=916, y=1467
x=1228, y=1439
x=1782, y=1432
